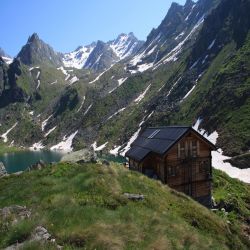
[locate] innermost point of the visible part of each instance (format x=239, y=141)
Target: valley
x=105, y=92
x=68, y=119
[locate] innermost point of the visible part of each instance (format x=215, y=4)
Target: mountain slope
x=201, y=74
x=100, y=216
x=78, y=58
x=125, y=45
x=101, y=58
x=168, y=40
x=209, y=80
x=218, y=65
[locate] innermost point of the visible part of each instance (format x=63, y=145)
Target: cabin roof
x=159, y=140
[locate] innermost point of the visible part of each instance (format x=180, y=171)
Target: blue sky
x=65, y=24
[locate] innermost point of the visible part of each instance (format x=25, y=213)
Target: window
x=181, y=150
x=204, y=167
x=172, y=171
x=194, y=148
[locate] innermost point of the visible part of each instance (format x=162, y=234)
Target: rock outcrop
x=14, y=213
x=81, y=156
x=3, y=171
x=37, y=166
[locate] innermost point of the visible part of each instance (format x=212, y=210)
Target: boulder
x=81, y=156
x=14, y=213
x=37, y=166
x=40, y=234
x=105, y=163
x=3, y=171
x=134, y=197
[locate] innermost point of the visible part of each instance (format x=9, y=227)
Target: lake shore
x=9, y=149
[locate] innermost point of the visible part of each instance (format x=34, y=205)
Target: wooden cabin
x=179, y=156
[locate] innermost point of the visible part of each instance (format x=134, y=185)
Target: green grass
x=234, y=194
x=83, y=207
x=7, y=149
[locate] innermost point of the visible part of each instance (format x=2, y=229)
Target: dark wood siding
x=186, y=167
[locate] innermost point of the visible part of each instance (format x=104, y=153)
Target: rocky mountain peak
x=174, y=8
x=100, y=53
x=2, y=52
x=36, y=51
x=34, y=37
x=189, y=2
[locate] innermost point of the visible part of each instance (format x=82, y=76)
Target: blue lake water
x=20, y=161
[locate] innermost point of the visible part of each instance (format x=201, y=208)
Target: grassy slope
x=83, y=207
x=234, y=196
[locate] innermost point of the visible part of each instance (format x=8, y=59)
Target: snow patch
x=131, y=140
x=64, y=72
x=204, y=60
x=172, y=55
x=38, y=84
x=152, y=50
x=37, y=146
x=218, y=158
x=8, y=60
x=38, y=74
x=4, y=136
x=141, y=96
x=37, y=67
x=186, y=19
x=81, y=104
x=44, y=123
x=180, y=35
x=98, y=77
x=94, y=146
x=50, y=131
x=218, y=162
x=66, y=144
x=195, y=63
x=144, y=67
x=212, y=44
x=97, y=60
x=123, y=46
x=121, y=81
x=53, y=82
x=115, y=151
x=134, y=136
x=77, y=58
x=73, y=80
x=172, y=88
x=116, y=113
x=136, y=59
x=189, y=92
x=87, y=110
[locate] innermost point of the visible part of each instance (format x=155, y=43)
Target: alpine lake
x=19, y=161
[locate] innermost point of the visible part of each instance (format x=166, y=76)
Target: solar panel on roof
x=154, y=134
x=158, y=140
